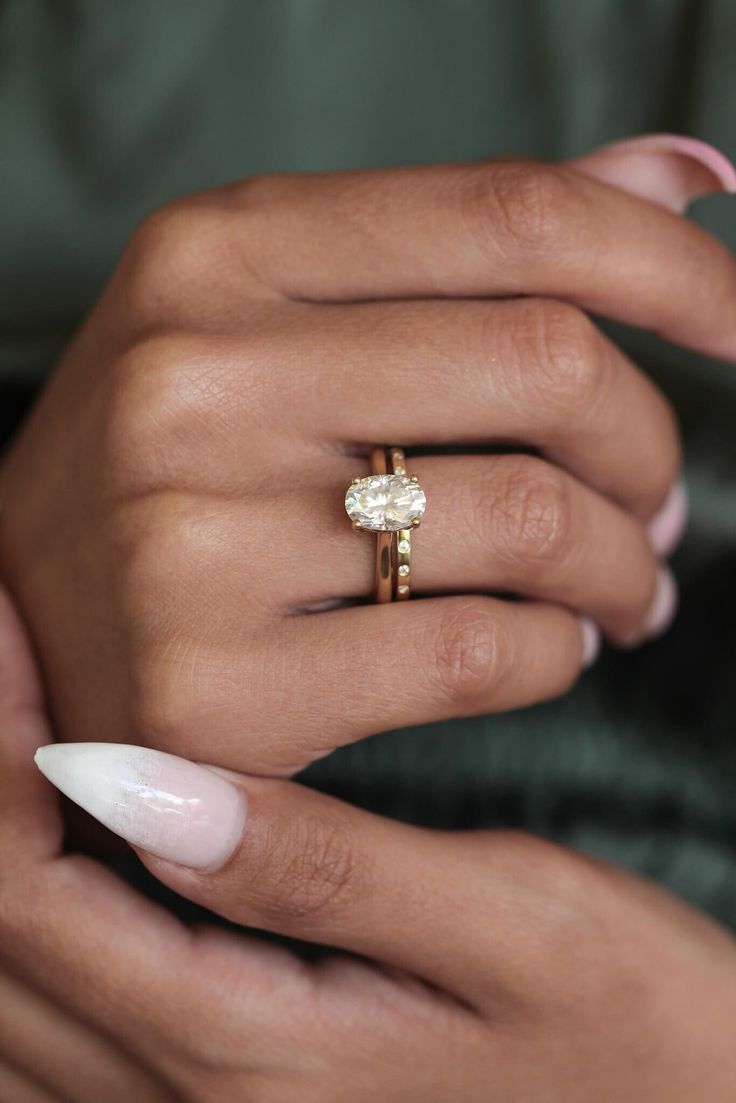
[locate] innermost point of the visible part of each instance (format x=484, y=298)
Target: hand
x=175, y=503
x=505, y=969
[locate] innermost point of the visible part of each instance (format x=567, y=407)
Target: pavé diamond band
x=390, y=503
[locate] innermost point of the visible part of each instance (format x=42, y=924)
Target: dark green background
x=109, y=108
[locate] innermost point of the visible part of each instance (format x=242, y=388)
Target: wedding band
x=390, y=503
x=401, y=559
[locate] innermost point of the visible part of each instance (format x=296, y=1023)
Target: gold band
x=384, y=541
x=401, y=547
x=386, y=498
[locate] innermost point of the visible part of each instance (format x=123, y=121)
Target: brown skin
x=175, y=500
x=510, y=970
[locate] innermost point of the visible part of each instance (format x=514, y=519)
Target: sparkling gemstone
x=385, y=503
x=404, y=546
x=404, y=570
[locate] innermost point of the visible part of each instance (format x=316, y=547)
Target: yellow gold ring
x=390, y=503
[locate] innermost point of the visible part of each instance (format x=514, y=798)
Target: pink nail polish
x=671, y=170
x=666, y=528
x=705, y=154
x=664, y=604
x=591, y=641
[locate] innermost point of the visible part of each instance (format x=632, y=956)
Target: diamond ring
x=390, y=503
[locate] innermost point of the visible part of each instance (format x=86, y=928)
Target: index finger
x=491, y=229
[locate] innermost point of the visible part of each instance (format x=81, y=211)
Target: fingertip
x=671, y=170
x=666, y=528
x=159, y=803
x=591, y=641
x=663, y=608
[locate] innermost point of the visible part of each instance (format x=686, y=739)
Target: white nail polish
x=591, y=641
x=666, y=528
x=161, y=803
x=664, y=604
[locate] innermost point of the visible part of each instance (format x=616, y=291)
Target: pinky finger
x=400, y=665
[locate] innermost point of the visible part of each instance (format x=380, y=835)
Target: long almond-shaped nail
x=669, y=169
x=161, y=803
x=667, y=526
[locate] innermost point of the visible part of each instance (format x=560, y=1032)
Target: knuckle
x=169, y=254
x=469, y=658
x=565, y=361
x=164, y=709
x=523, y=206
x=557, y=906
x=533, y=514
x=147, y=417
x=307, y=872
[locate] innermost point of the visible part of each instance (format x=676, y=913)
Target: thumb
x=668, y=169
x=274, y=855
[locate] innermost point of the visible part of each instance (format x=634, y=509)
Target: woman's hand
x=176, y=500
x=494, y=968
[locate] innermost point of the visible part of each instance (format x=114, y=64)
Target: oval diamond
x=385, y=503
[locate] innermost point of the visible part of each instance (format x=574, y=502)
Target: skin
x=172, y=511
x=143, y=536
x=493, y=967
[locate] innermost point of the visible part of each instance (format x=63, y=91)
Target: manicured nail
x=161, y=803
x=669, y=169
x=667, y=526
x=664, y=604
x=591, y=640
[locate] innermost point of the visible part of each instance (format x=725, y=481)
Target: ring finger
x=512, y=524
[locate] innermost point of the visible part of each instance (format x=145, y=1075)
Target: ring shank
x=385, y=542
x=401, y=545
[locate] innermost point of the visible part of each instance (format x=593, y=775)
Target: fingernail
x=591, y=641
x=664, y=604
x=161, y=803
x=669, y=169
x=667, y=526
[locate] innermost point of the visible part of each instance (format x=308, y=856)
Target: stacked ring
x=401, y=588
x=390, y=503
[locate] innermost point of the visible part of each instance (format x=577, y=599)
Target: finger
x=73, y=931
x=16, y=1087
x=504, y=228
x=510, y=524
x=446, y=907
x=359, y=671
x=127, y=968
x=531, y=371
x=59, y=1053
x=30, y=825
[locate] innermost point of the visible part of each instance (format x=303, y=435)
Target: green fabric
x=108, y=109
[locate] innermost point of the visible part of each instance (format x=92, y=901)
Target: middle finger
x=528, y=371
